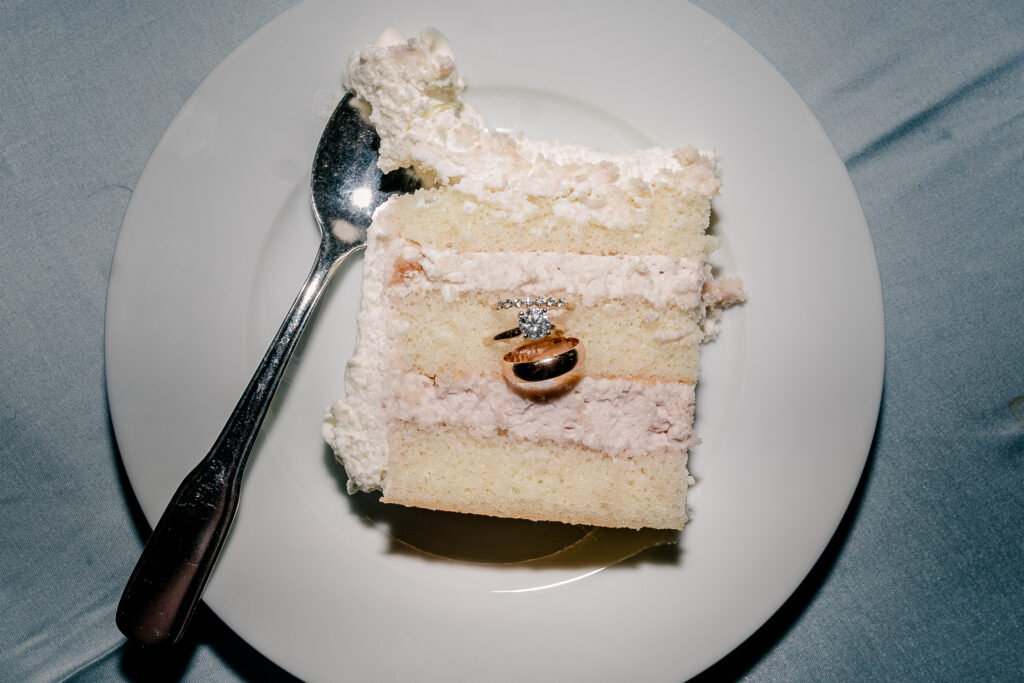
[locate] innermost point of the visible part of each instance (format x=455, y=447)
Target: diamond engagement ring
x=534, y=320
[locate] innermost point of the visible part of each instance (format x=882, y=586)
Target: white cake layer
x=458, y=469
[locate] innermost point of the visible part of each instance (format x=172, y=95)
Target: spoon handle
x=168, y=581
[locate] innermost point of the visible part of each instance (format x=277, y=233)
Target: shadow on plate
x=478, y=539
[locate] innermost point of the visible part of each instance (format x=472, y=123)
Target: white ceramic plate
x=218, y=238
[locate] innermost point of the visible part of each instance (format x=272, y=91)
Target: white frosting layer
x=588, y=278
x=355, y=426
x=615, y=415
x=413, y=89
x=719, y=293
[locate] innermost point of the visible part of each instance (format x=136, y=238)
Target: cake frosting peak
x=414, y=91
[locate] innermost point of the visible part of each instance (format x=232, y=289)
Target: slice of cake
x=531, y=320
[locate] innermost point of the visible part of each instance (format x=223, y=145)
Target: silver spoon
x=169, y=578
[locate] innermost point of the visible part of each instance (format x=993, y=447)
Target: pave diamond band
x=527, y=302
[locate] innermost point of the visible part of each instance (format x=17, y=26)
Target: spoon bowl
x=168, y=581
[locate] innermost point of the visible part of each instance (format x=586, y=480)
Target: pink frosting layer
x=658, y=279
x=619, y=416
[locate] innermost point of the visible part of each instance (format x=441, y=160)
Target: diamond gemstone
x=534, y=323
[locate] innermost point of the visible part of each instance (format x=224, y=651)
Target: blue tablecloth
x=924, y=101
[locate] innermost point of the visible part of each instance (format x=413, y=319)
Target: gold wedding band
x=544, y=364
